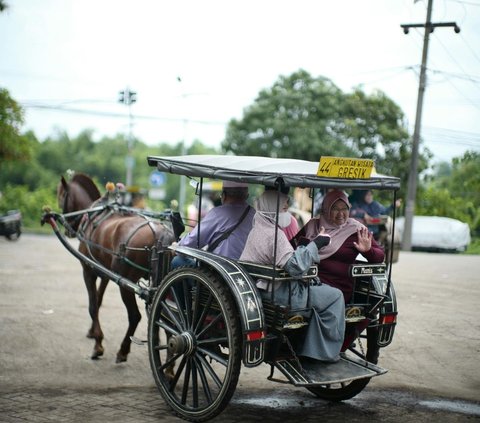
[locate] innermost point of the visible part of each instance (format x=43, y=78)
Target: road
x=46, y=373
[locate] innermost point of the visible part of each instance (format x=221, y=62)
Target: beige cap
x=231, y=184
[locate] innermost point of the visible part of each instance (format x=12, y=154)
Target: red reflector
x=253, y=336
x=389, y=318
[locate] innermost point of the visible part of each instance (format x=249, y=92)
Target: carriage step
x=316, y=373
x=137, y=341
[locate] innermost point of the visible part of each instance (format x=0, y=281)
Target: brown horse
x=118, y=241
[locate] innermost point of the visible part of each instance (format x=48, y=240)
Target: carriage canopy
x=267, y=171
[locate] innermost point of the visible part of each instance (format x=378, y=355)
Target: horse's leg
x=134, y=317
x=100, y=291
x=95, y=331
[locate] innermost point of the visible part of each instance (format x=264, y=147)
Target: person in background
x=349, y=239
x=326, y=328
x=365, y=209
x=234, y=213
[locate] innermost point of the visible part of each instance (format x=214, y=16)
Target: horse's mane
x=87, y=184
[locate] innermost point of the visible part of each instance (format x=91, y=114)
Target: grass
x=474, y=247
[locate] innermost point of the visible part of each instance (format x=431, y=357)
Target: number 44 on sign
x=345, y=167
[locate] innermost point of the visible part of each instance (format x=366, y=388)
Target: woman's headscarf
x=259, y=247
x=338, y=233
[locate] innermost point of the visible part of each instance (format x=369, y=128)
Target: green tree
x=13, y=146
x=304, y=117
x=454, y=191
x=30, y=203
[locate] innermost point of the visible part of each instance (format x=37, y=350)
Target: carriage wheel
x=194, y=326
x=369, y=352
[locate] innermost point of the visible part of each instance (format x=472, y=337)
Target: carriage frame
x=210, y=319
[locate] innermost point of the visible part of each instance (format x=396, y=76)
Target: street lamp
x=128, y=97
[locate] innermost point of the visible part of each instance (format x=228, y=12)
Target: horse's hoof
x=97, y=354
x=169, y=374
x=120, y=359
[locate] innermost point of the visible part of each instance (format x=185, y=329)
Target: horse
x=118, y=241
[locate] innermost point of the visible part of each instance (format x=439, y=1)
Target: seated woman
x=349, y=238
x=326, y=328
x=286, y=220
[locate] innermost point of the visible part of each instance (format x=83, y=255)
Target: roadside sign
x=157, y=178
x=345, y=167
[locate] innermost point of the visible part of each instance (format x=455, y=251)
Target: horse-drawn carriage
x=205, y=321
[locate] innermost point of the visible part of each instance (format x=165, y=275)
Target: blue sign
x=157, y=178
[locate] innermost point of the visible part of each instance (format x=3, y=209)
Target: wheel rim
x=203, y=342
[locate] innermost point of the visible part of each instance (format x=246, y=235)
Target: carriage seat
x=280, y=316
x=268, y=272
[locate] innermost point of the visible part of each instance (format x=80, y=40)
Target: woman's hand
x=322, y=239
x=364, y=240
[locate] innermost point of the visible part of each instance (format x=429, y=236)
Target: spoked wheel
x=369, y=352
x=194, y=326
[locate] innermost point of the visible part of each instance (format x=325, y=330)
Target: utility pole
x=128, y=97
x=182, y=194
x=413, y=176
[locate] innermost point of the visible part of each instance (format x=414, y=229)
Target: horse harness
x=97, y=217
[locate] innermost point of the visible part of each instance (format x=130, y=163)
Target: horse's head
x=76, y=195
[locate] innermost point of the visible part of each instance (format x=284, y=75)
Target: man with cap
x=216, y=234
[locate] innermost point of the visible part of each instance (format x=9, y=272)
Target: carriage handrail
x=266, y=272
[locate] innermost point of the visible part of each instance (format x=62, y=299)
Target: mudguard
x=246, y=296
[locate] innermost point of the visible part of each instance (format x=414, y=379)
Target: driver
x=225, y=228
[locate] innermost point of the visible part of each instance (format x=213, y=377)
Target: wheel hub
x=183, y=343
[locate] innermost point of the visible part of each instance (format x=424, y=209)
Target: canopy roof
x=265, y=171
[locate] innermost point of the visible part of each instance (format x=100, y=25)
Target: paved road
x=46, y=373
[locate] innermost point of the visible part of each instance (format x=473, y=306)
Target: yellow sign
x=345, y=167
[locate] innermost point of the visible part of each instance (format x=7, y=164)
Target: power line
x=470, y=48
x=454, y=61
x=117, y=115
x=470, y=3
x=470, y=78
x=454, y=131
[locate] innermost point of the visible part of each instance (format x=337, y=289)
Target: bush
x=30, y=203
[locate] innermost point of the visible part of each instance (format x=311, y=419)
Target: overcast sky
x=197, y=64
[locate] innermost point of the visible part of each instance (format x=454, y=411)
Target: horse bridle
x=73, y=221
x=65, y=198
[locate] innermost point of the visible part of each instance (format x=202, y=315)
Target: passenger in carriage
x=286, y=220
x=216, y=234
x=349, y=239
x=326, y=328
